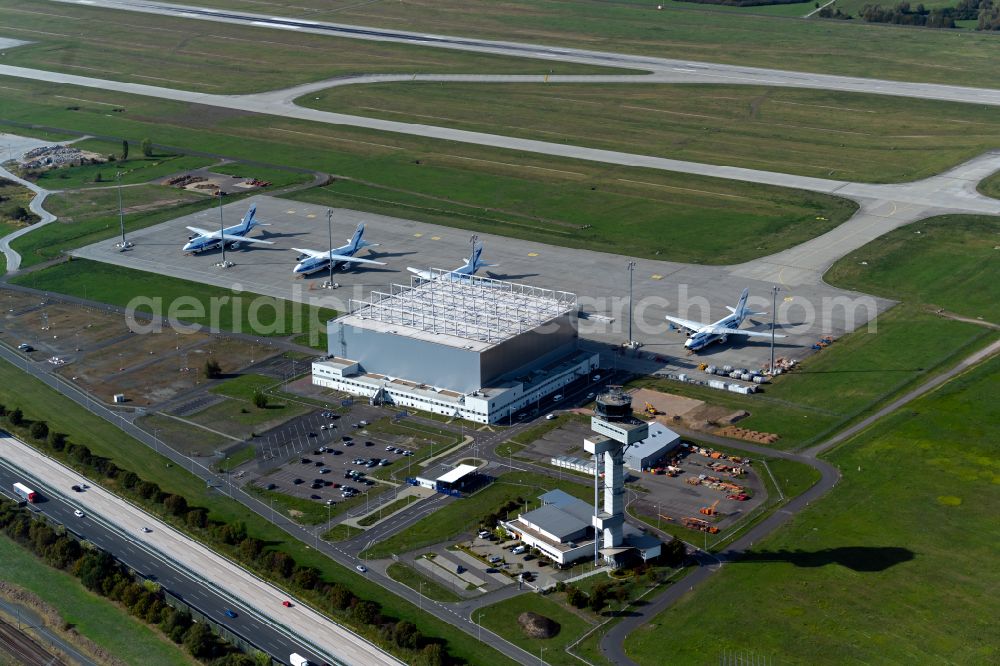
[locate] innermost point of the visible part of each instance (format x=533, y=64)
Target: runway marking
x=685, y=189
x=435, y=238
x=88, y=101
x=311, y=215
x=532, y=254
x=519, y=166
x=334, y=138
x=290, y=212
x=417, y=235
x=655, y=276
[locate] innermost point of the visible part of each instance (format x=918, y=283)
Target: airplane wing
x=356, y=260
x=311, y=253
x=685, y=323
x=241, y=239
x=738, y=331
x=427, y=275
x=205, y=232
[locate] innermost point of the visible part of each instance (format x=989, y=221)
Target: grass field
x=948, y=262
x=13, y=198
x=181, y=436
x=631, y=211
x=388, y=509
x=216, y=57
x=845, y=136
x=202, y=304
x=462, y=515
x=501, y=618
x=680, y=30
x=92, y=616
x=244, y=387
x=40, y=402
x=991, y=186
x=909, y=534
x=342, y=532
x=81, y=205
x=241, y=419
x=430, y=588
x=135, y=170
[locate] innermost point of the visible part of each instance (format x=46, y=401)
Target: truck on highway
x=25, y=493
x=296, y=659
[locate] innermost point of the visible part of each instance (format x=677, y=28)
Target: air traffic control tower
x=615, y=430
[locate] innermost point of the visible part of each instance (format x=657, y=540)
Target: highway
x=257, y=602
x=665, y=70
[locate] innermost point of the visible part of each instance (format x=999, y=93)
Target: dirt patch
x=748, y=435
x=537, y=626
x=669, y=404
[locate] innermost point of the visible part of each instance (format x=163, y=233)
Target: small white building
x=660, y=441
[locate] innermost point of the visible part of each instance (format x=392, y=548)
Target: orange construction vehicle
x=700, y=525
x=652, y=411
x=709, y=510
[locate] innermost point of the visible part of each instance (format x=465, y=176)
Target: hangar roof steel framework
x=469, y=307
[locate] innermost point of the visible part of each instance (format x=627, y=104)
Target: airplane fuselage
x=311, y=265
x=704, y=337
x=202, y=243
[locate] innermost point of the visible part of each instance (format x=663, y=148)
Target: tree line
x=337, y=600
x=102, y=574
x=985, y=12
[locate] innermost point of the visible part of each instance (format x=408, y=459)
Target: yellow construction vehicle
x=652, y=411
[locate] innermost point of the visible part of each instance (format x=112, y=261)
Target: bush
x=16, y=417
x=259, y=399
x=212, y=369
x=175, y=504
x=147, y=147
x=39, y=430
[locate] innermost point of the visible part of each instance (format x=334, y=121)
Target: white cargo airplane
x=701, y=335
x=232, y=236
x=311, y=261
x=466, y=270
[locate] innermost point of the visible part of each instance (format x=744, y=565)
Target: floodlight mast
x=222, y=230
x=329, y=231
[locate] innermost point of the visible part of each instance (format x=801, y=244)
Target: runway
x=670, y=70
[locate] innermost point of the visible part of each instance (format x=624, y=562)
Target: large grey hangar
x=471, y=347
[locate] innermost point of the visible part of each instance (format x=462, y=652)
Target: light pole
x=774, y=315
x=222, y=231
x=329, y=229
x=420, y=600
x=479, y=621
x=121, y=212
x=630, y=267
x=541, y=661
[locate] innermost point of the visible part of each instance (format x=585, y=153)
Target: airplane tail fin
x=356, y=241
x=741, y=306
x=248, y=221
x=474, y=261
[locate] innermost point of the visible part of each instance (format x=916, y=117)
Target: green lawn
x=429, y=587
x=847, y=136
x=897, y=565
x=626, y=210
x=239, y=419
x=682, y=30
x=948, y=262
x=181, y=436
x=94, y=617
x=190, y=55
x=462, y=515
x=342, y=532
x=136, y=169
x=244, y=387
x=991, y=186
x=80, y=205
x=501, y=618
x=189, y=301
x=40, y=402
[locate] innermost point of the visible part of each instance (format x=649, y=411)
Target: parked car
x=272, y=486
x=550, y=417
x=298, y=482
x=493, y=559
x=306, y=461
x=315, y=497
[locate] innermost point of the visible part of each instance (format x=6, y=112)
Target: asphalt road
x=59, y=505
x=664, y=69
x=302, y=626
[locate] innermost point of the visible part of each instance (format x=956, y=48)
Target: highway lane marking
x=532, y=254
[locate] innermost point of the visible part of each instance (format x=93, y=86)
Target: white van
x=557, y=398
x=520, y=550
